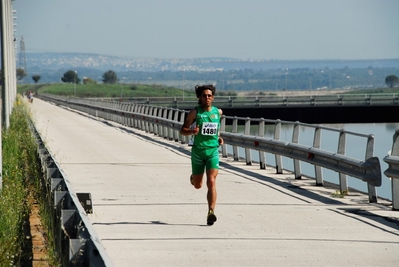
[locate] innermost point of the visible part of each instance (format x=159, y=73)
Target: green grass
x=394, y=90
x=145, y=90
x=106, y=90
x=21, y=179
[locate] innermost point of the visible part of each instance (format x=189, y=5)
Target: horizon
x=215, y=57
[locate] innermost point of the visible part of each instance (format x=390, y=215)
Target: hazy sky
x=243, y=29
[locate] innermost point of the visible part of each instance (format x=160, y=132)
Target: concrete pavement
x=147, y=213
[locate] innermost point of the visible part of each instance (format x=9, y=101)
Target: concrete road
x=147, y=213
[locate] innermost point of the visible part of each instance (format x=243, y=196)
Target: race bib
x=209, y=128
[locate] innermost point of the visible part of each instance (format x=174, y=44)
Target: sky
x=239, y=29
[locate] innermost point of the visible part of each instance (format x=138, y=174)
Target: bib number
x=209, y=128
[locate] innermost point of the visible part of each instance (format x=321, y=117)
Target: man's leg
x=196, y=180
x=211, y=184
x=211, y=195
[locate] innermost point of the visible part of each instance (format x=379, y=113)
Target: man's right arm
x=185, y=129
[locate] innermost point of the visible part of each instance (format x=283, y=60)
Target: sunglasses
x=205, y=96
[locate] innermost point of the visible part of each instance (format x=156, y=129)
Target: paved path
x=147, y=213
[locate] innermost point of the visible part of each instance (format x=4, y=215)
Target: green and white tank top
x=209, y=125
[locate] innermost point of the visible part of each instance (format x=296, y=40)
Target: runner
x=205, y=148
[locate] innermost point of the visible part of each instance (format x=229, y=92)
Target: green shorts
x=204, y=158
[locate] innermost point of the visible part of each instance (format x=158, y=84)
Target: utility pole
x=8, y=76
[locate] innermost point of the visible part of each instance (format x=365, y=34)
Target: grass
x=339, y=194
x=394, y=90
x=106, y=90
x=145, y=90
x=22, y=180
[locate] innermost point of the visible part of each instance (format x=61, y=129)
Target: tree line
x=70, y=76
x=248, y=79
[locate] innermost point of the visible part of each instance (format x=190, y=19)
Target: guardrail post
x=285, y=101
x=78, y=251
x=372, y=191
x=151, y=125
x=141, y=122
x=113, y=116
x=277, y=135
x=135, y=120
x=295, y=140
x=312, y=100
x=340, y=100
x=395, y=99
x=368, y=99
x=120, y=117
x=131, y=118
x=234, y=130
x=155, y=126
x=261, y=133
x=395, y=180
x=316, y=144
x=160, y=127
x=146, y=123
x=58, y=184
x=170, y=117
x=184, y=139
x=223, y=129
x=125, y=118
x=247, y=131
x=176, y=132
x=230, y=102
x=343, y=183
x=165, y=129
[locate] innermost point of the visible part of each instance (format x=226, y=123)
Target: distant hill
x=228, y=73
x=55, y=61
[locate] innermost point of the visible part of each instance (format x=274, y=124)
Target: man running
x=205, y=149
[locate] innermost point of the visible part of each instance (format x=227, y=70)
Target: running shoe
x=211, y=218
x=191, y=179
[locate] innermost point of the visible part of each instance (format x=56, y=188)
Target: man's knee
x=211, y=182
x=197, y=186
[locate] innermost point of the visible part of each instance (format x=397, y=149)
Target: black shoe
x=211, y=218
x=192, y=179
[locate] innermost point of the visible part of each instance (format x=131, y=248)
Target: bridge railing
x=166, y=122
x=76, y=241
x=271, y=100
x=392, y=159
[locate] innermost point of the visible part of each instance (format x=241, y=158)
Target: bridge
x=146, y=212
x=324, y=107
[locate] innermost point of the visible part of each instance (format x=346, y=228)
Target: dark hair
x=200, y=88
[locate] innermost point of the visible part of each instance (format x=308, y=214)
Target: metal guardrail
x=76, y=241
x=271, y=100
x=393, y=169
x=166, y=122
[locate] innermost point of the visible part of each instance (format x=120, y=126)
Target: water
x=355, y=147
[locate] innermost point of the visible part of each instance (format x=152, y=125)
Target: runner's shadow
x=149, y=223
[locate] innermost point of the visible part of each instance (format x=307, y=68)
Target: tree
x=36, y=78
x=110, y=77
x=392, y=81
x=70, y=77
x=87, y=80
x=20, y=74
